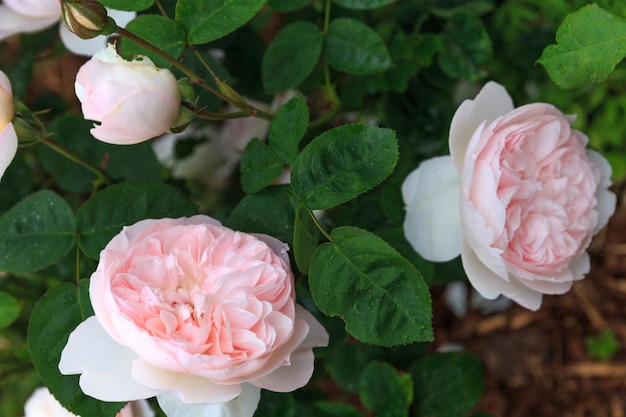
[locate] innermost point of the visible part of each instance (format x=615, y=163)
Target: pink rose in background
x=8, y=137
x=194, y=313
x=43, y=404
x=520, y=198
x=133, y=100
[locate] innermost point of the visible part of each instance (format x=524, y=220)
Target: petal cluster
x=8, y=137
x=194, y=313
x=133, y=100
x=528, y=198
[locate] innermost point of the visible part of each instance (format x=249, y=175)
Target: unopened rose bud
x=87, y=18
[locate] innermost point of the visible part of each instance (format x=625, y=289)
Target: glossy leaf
x=208, y=20
x=35, y=233
x=288, y=127
x=129, y=5
x=306, y=237
x=104, y=214
x=379, y=294
x=166, y=34
x=363, y=4
x=342, y=163
x=590, y=43
x=356, y=48
x=348, y=361
x=385, y=392
x=259, y=166
x=446, y=384
x=291, y=56
x=54, y=317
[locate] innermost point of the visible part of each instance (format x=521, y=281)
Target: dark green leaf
x=291, y=56
x=446, y=384
x=287, y=129
x=208, y=20
x=305, y=239
x=395, y=237
x=336, y=409
x=347, y=363
x=270, y=212
x=164, y=33
x=354, y=47
x=385, y=392
x=130, y=5
x=590, y=43
x=54, y=317
x=9, y=309
x=379, y=294
x=362, y=4
x=342, y=163
x=275, y=404
x=37, y=232
x=467, y=47
x=104, y=214
x=285, y=6
x=259, y=166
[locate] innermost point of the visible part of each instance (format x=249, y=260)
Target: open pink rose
x=196, y=314
x=8, y=137
x=520, y=198
x=43, y=404
x=133, y=100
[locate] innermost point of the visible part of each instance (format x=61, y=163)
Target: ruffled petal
x=105, y=365
x=607, y=200
x=243, y=406
x=433, y=220
x=491, y=102
x=490, y=285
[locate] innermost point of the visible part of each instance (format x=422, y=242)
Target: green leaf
x=208, y=20
x=305, y=239
x=104, y=214
x=379, y=294
x=285, y=6
x=446, y=384
x=287, y=129
x=336, y=409
x=395, y=237
x=363, y=4
x=129, y=5
x=164, y=33
x=36, y=233
x=342, y=163
x=291, y=56
x=590, y=43
x=9, y=309
x=259, y=166
x=270, y=212
x=276, y=404
x=602, y=346
x=356, y=48
x=385, y=392
x=54, y=317
x=347, y=363
x=467, y=47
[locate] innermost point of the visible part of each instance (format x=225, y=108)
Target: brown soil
x=536, y=363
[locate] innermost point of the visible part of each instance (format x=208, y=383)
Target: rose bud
x=86, y=18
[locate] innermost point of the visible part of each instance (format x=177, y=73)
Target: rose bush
x=194, y=313
x=8, y=137
x=26, y=16
x=133, y=100
x=43, y=404
x=519, y=197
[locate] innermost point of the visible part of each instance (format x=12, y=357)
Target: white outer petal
x=489, y=285
x=12, y=23
x=491, y=102
x=105, y=365
x=243, y=406
x=8, y=147
x=433, y=221
x=607, y=200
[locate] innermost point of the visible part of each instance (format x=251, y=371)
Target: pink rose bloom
x=27, y=16
x=133, y=100
x=194, y=313
x=43, y=404
x=8, y=137
x=520, y=198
